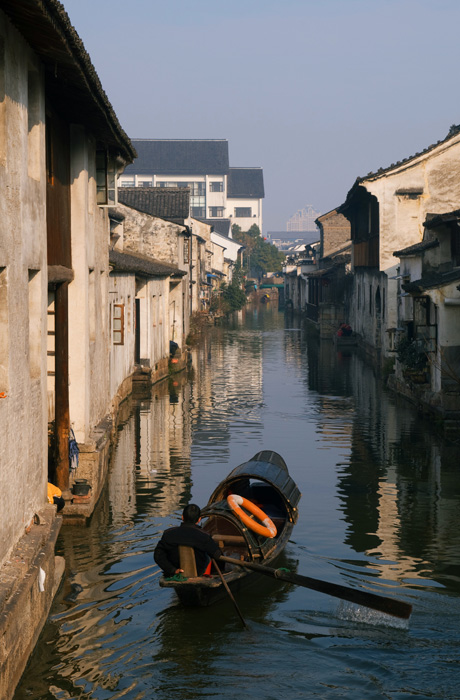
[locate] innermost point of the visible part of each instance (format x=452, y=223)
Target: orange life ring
x=267, y=528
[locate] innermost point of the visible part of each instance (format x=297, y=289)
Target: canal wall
x=30, y=580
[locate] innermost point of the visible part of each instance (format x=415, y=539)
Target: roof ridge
x=453, y=131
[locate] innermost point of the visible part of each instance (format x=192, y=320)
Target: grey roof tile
x=129, y=261
x=180, y=157
x=453, y=131
x=70, y=75
x=432, y=280
x=247, y=183
x=163, y=202
x=416, y=248
x=222, y=226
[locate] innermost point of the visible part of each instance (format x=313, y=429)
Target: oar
x=230, y=594
x=391, y=606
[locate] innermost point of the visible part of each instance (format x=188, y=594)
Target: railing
x=312, y=311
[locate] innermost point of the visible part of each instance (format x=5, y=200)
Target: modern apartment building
x=217, y=191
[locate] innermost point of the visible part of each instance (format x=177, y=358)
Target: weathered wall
x=88, y=295
x=406, y=194
x=23, y=288
x=122, y=290
x=151, y=236
x=335, y=232
x=437, y=175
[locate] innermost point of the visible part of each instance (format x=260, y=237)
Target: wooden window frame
x=121, y=319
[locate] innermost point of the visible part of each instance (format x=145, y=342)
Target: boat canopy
x=268, y=467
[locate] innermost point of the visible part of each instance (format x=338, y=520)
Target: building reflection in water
x=150, y=471
x=398, y=486
x=227, y=389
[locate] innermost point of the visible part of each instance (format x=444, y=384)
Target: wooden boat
x=264, y=481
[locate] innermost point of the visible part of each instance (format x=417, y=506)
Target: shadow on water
x=380, y=512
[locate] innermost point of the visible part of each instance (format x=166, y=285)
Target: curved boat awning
x=268, y=467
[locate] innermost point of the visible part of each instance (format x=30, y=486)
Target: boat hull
x=265, y=481
x=203, y=591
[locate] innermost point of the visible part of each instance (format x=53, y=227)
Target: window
x=216, y=186
x=198, y=212
x=126, y=183
x=215, y=212
x=186, y=250
x=34, y=324
x=241, y=212
x=197, y=189
x=118, y=324
x=145, y=183
x=106, y=178
x=455, y=245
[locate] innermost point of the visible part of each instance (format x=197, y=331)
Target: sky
x=316, y=92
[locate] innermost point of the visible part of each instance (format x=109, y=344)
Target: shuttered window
x=118, y=324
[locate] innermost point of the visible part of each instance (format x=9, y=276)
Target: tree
x=260, y=256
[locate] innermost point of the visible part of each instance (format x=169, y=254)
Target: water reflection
x=380, y=510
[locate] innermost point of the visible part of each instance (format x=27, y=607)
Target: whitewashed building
x=387, y=212
x=61, y=147
x=217, y=191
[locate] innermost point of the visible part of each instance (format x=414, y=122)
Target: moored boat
x=261, y=484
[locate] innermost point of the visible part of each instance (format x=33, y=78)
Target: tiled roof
x=221, y=226
x=180, y=157
x=431, y=281
x=70, y=76
x=435, y=220
x=116, y=215
x=416, y=248
x=453, y=131
x=163, y=202
x=128, y=261
x=339, y=257
x=245, y=183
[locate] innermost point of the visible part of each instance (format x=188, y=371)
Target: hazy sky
x=317, y=92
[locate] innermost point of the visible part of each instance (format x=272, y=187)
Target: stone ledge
x=23, y=607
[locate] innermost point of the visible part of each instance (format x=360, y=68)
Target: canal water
x=379, y=512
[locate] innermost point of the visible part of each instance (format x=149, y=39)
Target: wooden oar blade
x=390, y=606
x=384, y=604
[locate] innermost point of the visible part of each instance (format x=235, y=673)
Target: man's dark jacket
x=166, y=553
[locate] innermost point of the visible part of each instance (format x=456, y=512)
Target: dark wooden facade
x=59, y=265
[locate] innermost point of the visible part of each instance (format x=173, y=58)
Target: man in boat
x=188, y=534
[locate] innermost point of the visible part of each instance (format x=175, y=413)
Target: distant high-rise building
x=303, y=220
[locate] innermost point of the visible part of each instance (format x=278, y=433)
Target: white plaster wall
x=215, y=199
x=122, y=290
x=231, y=247
x=363, y=316
x=23, y=412
x=88, y=358
x=437, y=173
x=177, y=328
x=245, y=222
x=163, y=241
x=448, y=315
x=201, y=241
x=401, y=218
